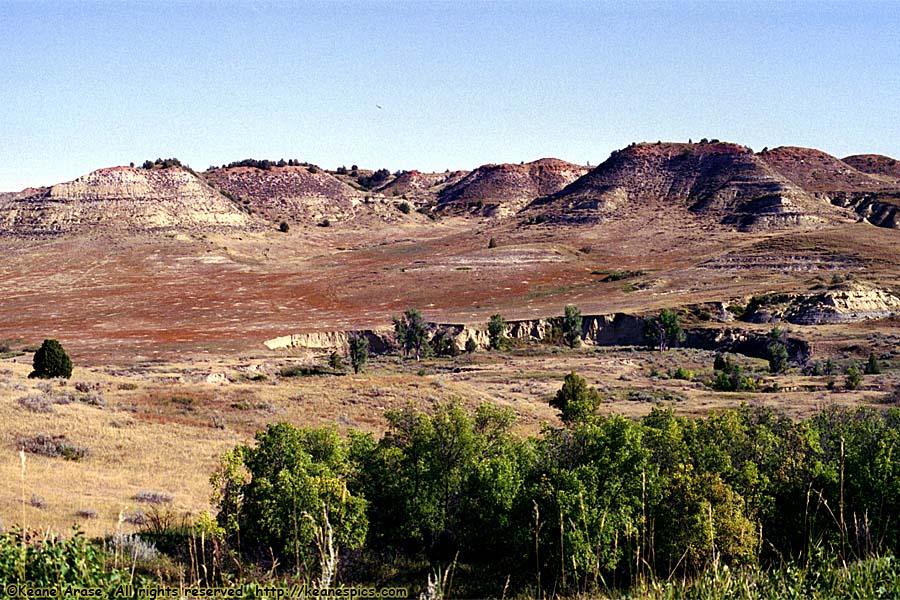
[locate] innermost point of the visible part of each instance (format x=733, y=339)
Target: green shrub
x=575, y=400
x=47, y=561
x=682, y=373
x=496, y=328
x=443, y=344
x=721, y=363
x=336, y=361
x=286, y=492
x=853, y=377
x=663, y=330
x=733, y=379
x=872, y=365
x=359, y=352
x=51, y=360
x=571, y=326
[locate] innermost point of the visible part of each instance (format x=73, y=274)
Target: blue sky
x=85, y=85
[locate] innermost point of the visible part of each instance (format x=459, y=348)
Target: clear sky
x=85, y=85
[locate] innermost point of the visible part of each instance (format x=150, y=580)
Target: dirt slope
x=875, y=164
x=296, y=194
x=874, y=198
x=500, y=190
x=122, y=199
x=724, y=181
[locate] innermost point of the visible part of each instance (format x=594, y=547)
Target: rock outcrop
x=122, y=199
x=873, y=194
x=724, y=181
x=421, y=187
x=297, y=194
x=844, y=303
x=618, y=329
x=316, y=342
x=504, y=189
x=847, y=305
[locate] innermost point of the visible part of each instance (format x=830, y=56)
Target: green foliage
x=438, y=483
x=283, y=227
x=51, y=360
x=359, y=352
x=682, y=373
x=575, y=400
x=443, y=344
x=410, y=332
x=336, y=361
x=161, y=163
x=496, y=328
x=404, y=207
x=872, y=366
x=776, y=351
x=471, y=346
x=371, y=181
x=778, y=357
x=620, y=275
x=571, y=326
x=265, y=164
x=308, y=371
x=663, y=330
x=721, y=363
x=733, y=379
x=297, y=485
x=46, y=561
x=853, y=377
x=662, y=499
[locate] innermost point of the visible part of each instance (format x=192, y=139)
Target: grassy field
x=162, y=426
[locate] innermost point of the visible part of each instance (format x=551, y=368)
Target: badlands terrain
x=184, y=298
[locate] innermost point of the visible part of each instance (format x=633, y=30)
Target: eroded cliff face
x=318, y=342
x=847, y=303
x=866, y=184
x=855, y=303
x=294, y=193
x=618, y=329
x=723, y=181
x=504, y=189
x=122, y=199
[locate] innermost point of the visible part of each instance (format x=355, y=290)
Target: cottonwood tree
x=663, y=330
x=496, y=332
x=776, y=351
x=410, y=332
x=359, y=352
x=571, y=326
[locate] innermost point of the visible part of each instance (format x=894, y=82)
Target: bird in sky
x=378, y=106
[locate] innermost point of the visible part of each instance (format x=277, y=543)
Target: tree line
x=596, y=503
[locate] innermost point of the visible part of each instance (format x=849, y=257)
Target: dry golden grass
x=164, y=426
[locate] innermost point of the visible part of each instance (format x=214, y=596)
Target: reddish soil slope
x=721, y=180
x=296, y=194
x=498, y=190
x=875, y=164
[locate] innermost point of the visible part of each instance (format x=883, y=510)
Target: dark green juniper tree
x=51, y=360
